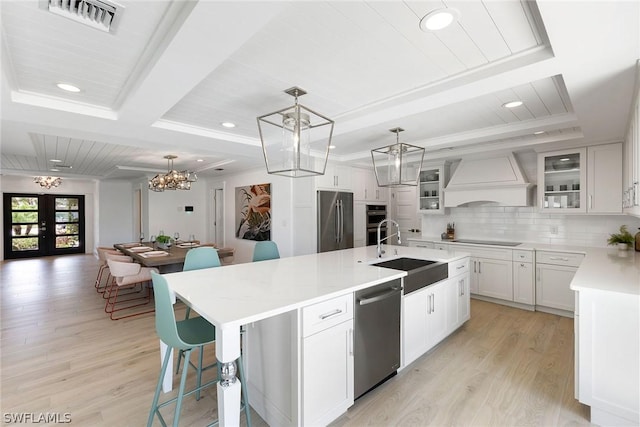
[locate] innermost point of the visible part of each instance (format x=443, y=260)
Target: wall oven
x=375, y=214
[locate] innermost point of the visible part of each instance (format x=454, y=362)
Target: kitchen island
x=243, y=294
x=607, y=336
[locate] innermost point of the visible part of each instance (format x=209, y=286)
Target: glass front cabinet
x=430, y=196
x=562, y=181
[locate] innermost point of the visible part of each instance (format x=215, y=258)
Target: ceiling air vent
x=99, y=14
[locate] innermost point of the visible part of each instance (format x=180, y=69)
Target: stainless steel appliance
x=375, y=214
x=335, y=220
x=377, y=335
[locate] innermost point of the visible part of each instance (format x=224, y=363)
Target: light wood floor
x=60, y=353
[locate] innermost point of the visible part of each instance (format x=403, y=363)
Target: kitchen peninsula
x=246, y=294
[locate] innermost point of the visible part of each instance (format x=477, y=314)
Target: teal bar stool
x=265, y=250
x=196, y=259
x=184, y=335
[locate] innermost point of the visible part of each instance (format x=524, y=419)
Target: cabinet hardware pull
x=333, y=313
x=479, y=267
x=474, y=267
x=590, y=201
x=394, y=290
x=459, y=267
x=559, y=258
x=350, y=341
x=521, y=265
x=433, y=303
x=538, y=274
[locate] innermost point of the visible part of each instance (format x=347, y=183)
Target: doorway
x=43, y=224
x=217, y=232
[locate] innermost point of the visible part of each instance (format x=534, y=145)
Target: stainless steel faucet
x=379, y=247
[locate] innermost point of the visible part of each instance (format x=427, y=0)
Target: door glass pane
x=22, y=217
x=24, y=203
x=63, y=229
x=64, y=203
x=24, y=243
x=67, y=241
x=67, y=216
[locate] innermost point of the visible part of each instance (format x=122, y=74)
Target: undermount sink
x=421, y=272
x=405, y=264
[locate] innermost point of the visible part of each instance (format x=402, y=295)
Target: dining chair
x=115, y=256
x=265, y=250
x=184, y=335
x=196, y=259
x=102, y=250
x=127, y=275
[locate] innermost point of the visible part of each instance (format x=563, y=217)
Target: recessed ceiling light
x=331, y=147
x=54, y=170
x=55, y=160
x=228, y=124
x=565, y=159
x=199, y=160
x=68, y=87
x=512, y=104
x=438, y=19
x=540, y=132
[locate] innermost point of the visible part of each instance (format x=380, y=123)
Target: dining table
x=170, y=259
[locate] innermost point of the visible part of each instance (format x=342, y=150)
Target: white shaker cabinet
x=604, y=179
x=458, y=298
x=336, y=177
x=424, y=320
x=607, y=354
x=365, y=187
x=494, y=278
x=523, y=277
x=554, y=272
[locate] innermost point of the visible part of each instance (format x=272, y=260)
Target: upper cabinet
x=562, y=180
x=586, y=180
x=430, y=185
x=365, y=187
x=336, y=177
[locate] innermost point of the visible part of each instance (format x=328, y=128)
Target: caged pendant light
x=295, y=140
x=399, y=164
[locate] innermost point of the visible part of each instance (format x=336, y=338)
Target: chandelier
x=295, y=140
x=399, y=164
x=172, y=180
x=47, y=181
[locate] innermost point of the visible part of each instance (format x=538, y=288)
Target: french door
x=43, y=224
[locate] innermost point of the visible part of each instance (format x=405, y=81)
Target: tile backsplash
x=527, y=224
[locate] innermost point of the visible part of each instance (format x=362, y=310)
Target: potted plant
x=162, y=241
x=623, y=239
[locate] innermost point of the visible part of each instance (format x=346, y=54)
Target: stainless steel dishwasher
x=377, y=335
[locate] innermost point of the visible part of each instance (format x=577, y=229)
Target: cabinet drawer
x=459, y=267
x=441, y=246
x=559, y=258
x=427, y=245
x=523, y=256
x=323, y=315
x=483, y=251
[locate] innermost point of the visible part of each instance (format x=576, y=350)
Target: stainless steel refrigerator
x=335, y=220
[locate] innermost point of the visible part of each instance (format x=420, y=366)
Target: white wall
x=166, y=211
x=115, y=207
x=88, y=188
x=281, y=212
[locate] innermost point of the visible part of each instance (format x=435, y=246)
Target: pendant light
x=173, y=179
x=295, y=140
x=399, y=164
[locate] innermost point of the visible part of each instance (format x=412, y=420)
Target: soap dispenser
x=638, y=241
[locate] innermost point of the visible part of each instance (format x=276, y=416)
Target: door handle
x=479, y=267
x=474, y=267
x=394, y=290
x=336, y=226
x=433, y=303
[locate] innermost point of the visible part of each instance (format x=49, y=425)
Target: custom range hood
x=493, y=180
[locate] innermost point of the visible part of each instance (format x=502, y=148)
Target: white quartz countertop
x=243, y=293
x=609, y=270
x=606, y=269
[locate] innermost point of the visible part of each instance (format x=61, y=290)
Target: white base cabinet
x=523, y=277
x=554, y=272
x=309, y=353
x=432, y=313
x=608, y=355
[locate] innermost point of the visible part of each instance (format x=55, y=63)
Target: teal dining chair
x=184, y=335
x=196, y=259
x=265, y=250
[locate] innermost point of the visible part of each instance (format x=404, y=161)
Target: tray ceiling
x=174, y=71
